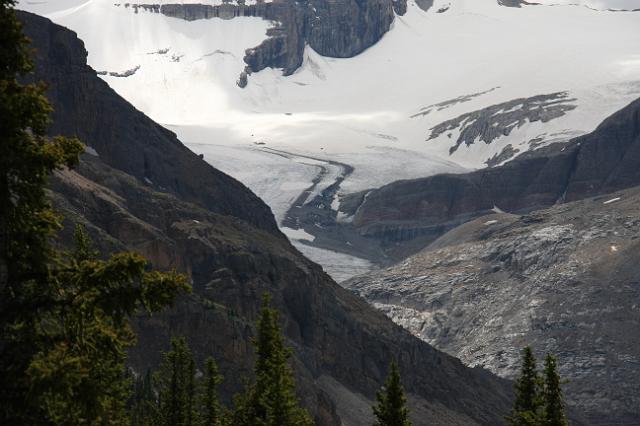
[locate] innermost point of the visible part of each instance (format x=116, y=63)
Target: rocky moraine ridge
x=565, y=280
x=543, y=250
x=340, y=29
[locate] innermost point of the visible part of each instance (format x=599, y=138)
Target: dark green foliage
x=143, y=402
x=26, y=159
x=193, y=417
x=271, y=401
x=391, y=409
x=175, y=384
x=527, y=409
x=553, y=399
x=212, y=409
x=76, y=376
x=180, y=395
x=63, y=317
x=26, y=219
x=539, y=400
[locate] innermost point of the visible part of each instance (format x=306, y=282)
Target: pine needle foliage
x=539, y=400
x=271, y=400
x=528, y=405
x=27, y=221
x=77, y=374
x=142, y=404
x=391, y=408
x=554, y=414
x=175, y=384
x=63, y=316
x=213, y=411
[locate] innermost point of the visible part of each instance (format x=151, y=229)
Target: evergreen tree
x=213, y=413
x=142, y=405
x=77, y=375
x=175, y=383
x=391, y=409
x=63, y=319
x=26, y=219
x=243, y=413
x=271, y=401
x=192, y=394
x=528, y=403
x=553, y=400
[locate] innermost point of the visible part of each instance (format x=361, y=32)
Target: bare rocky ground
x=565, y=280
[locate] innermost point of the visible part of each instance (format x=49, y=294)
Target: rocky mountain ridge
x=137, y=188
x=407, y=215
x=563, y=279
x=115, y=130
x=334, y=29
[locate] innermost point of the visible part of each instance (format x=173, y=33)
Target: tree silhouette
x=391, y=409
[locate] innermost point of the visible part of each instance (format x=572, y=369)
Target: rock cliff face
x=490, y=123
x=417, y=211
x=128, y=140
x=337, y=29
x=138, y=188
x=564, y=280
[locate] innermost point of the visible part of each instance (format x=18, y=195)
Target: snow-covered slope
x=594, y=4
x=436, y=94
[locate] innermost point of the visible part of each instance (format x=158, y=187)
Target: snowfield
x=593, y=4
x=366, y=111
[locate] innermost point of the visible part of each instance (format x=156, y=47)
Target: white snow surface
x=339, y=265
x=297, y=234
x=594, y=4
x=358, y=111
x=360, y=107
x=613, y=200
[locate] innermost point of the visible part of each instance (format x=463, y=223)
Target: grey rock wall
x=422, y=209
x=340, y=29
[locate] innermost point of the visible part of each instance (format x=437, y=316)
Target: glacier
x=365, y=111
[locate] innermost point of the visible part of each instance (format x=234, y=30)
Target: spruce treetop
x=391, y=407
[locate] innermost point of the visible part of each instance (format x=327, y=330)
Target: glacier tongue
x=471, y=55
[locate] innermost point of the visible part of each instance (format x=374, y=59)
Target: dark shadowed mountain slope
x=125, y=138
x=138, y=188
x=415, y=212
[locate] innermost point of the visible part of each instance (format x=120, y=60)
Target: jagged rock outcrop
x=415, y=212
x=495, y=121
x=564, y=280
x=138, y=188
x=337, y=29
x=425, y=4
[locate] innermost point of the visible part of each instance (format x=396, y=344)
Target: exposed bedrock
x=512, y=3
x=336, y=29
x=495, y=121
x=603, y=161
x=138, y=188
x=128, y=140
x=563, y=279
x=425, y=4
